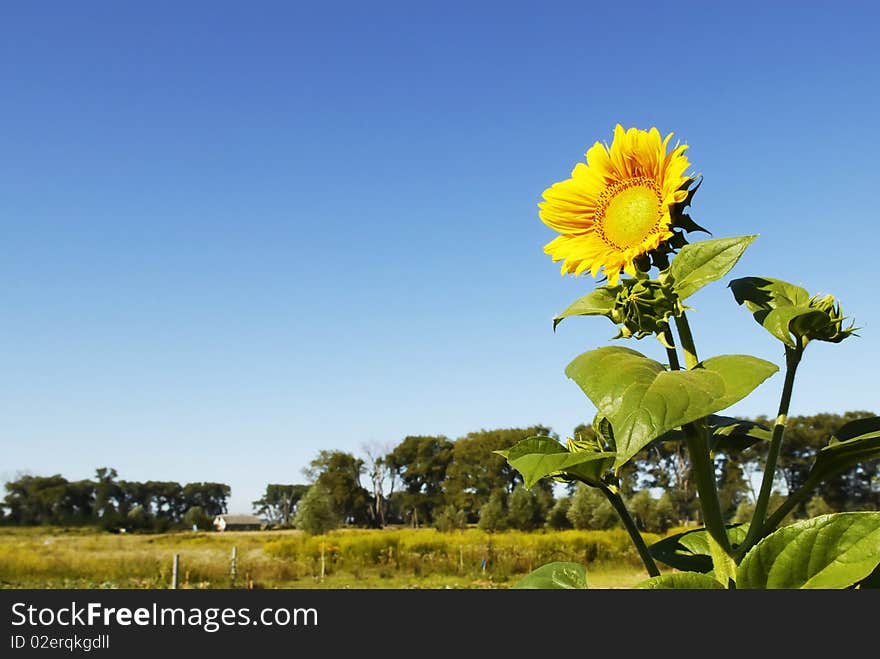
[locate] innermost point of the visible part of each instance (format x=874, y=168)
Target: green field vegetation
x=51, y=557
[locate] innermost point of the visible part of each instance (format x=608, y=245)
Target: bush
x=557, y=518
x=450, y=519
x=591, y=510
x=492, y=516
x=315, y=513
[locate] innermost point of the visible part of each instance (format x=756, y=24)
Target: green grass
x=45, y=557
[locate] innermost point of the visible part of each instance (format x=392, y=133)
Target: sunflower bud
x=643, y=307
x=825, y=324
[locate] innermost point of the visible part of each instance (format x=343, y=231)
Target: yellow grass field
x=46, y=557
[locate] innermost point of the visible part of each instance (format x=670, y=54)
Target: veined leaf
x=690, y=550
x=599, y=302
x=681, y=581
x=555, y=576
x=642, y=400
x=537, y=457
x=830, y=551
x=698, y=264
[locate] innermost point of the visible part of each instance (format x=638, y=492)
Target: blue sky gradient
x=236, y=234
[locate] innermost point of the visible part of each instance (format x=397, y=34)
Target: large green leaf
x=701, y=263
x=681, y=581
x=642, y=400
x=599, y=302
x=690, y=550
x=537, y=457
x=830, y=551
x=555, y=576
x=854, y=443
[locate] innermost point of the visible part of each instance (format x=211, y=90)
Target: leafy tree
x=590, y=509
x=732, y=485
x=279, y=502
x=557, y=518
x=317, y=513
x=338, y=473
x=196, y=517
x=107, y=492
x=476, y=472
x=211, y=497
x=450, y=519
x=523, y=509
x=421, y=462
x=492, y=513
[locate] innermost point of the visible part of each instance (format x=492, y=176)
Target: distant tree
x=476, y=472
x=339, y=474
x=316, y=513
x=523, y=510
x=137, y=518
x=557, y=518
x=196, y=517
x=450, y=519
x=379, y=473
x=492, y=514
x=818, y=506
x=420, y=463
x=744, y=512
x=278, y=503
x=210, y=497
x=732, y=485
x=650, y=514
x=590, y=509
x=855, y=489
x=107, y=494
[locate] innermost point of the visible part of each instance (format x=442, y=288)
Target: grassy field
x=45, y=557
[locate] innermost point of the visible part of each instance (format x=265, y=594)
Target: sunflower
x=619, y=207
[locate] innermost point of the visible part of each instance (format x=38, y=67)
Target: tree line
x=448, y=484
x=111, y=503
x=434, y=481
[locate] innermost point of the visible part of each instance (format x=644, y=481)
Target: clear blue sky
x=235, y=234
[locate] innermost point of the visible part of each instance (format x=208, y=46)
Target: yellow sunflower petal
x=615, y=207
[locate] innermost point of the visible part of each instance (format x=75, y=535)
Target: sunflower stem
x=698, y=448
x=687, y=341
x=756, y=528
x=629, y=523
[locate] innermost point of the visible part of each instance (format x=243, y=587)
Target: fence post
x=174, y=570
x=232, y=567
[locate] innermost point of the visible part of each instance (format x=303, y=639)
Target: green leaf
x=854, y=443
x=600, y=302
x=681, y=581
x=789, y=313
x=701, y=263
x=691, y=550
x=537, y=457
x=829, y=551
x=642, y=400
x=555, y=576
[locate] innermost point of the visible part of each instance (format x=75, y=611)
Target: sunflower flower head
x=620, y=211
